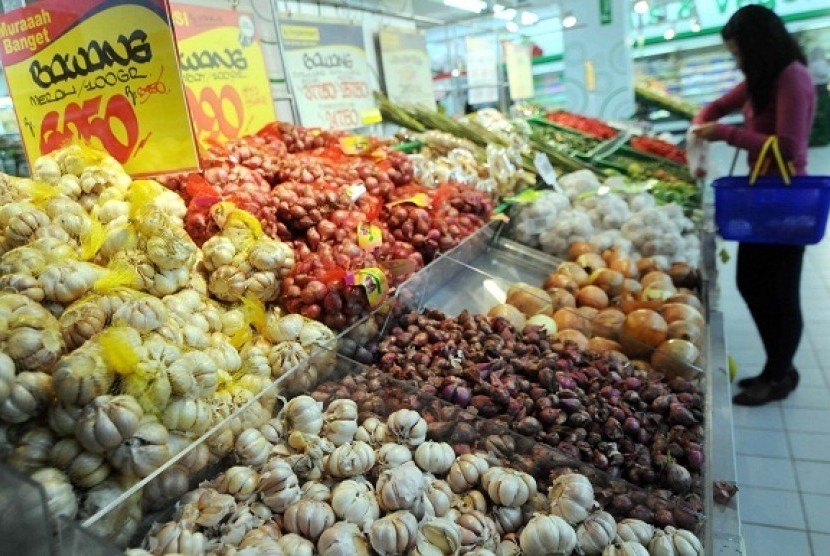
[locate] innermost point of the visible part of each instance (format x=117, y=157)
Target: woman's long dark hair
x=766, y=48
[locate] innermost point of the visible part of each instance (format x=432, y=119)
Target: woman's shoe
x=764, y=391
x=792, y=375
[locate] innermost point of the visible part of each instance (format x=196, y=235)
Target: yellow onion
x=610, y=281
x=624, y=266
x=575, y=271
x=607, y=323
x=528, y=299
x=560, y=297
x=560, y=281
x=571, y=319
x=685, y=330
x=590, y=262
x=642, y=331
x=509, y=313
x=676, y=358
x=672, y=312
x=592, y=296
x=687, y=298
x=543, y=321
x=603, y=345
x=575, y=336
x=578, y=248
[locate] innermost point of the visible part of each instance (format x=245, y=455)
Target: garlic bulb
x=315, y=490
x=400, y=488
x=340, y=421
x=81, y=376
x=246, y=516
x=508, y=547
x=195, y=460
x=547, y=535
x=295, y=545
x=107, y=422
x=406, y=427
x=466, y=472
x=62, y=419
x=392, y=455
x=351, y=459
x=393, y=534
x=470, y=501
x=507, y=520
x=60, y=498
x=303, y=414
x=205, y=507
x=571, y=497
x=175, y=538
x=274, y=431
x=434, y=457
x=675, y=542
x=143, y=452
x=240, y=482
x=634, y=530
x=355, y=502
x=263, y=539
x=436, y=501
x=343, y=539
x=477, y=531
x=625, y=548
x=29, y=395
x=308, y=518
x=595, y=533
x=372, y=431
x=508, y=487
x=32, y=450
x=83, y=468
x=278, y=485
x=163, y=489
x=188, y=417
x=118, y=526
x=438, y=536
x=252, y=448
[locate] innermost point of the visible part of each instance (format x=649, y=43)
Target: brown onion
x=624, y=266
x=607, y=323
x=684, y=275
x=684, y=330
x=609, y=280
x=570, y=335
x=676, y=358
x=649, y=264
x=672, y=312
x=642, y=331
x=544, y=322
x=687, y=298
x=574, y=271
x=510, y=313
x=570, y=319
x=590, y=262
x=578, y=248
x=528, y=299
x=560, y=297
x=592, y=296
x=561, y=281
x=603, y=345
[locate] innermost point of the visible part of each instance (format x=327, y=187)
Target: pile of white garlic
x=321, y=482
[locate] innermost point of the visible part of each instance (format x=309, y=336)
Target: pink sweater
x=789, y=116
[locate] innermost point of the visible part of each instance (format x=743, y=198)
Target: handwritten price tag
x=373, y=280
x=419, y=199
x=103, y=73
x=369, y=236
x=223, y=67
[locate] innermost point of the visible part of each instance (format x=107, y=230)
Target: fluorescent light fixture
x=695, y=26
x=505, y=14
x=529, y=18
x=569, y=20
x=641, y=7
x=512, y=26
x=455, y=72
x=474, y=6
x=669, y=33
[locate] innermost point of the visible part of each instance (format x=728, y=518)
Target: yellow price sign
x=419, y=199
x=223, y=68
x=102, y=72
x=355, y=145
x=369, y=236
x=373, y=280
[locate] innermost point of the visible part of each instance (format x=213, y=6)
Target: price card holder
x=100, y=72
x=373, y=280
x=369, y=236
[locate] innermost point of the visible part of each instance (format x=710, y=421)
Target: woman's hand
x=705, y=131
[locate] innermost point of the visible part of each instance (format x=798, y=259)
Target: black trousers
x=769, y=279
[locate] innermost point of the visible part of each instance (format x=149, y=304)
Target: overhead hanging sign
x=406, y=69
x=519, y=70
x=103, y=72
x=224, y=72
x=482, y=70
x=328, y=71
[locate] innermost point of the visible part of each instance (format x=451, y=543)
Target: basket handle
x=770, y=144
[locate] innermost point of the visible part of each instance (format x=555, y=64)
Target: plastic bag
x=697, y=154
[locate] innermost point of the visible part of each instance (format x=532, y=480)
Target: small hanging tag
x=419, y=199
x=355, y=192
x=373, y=281
x=546, y=171
x=369, y=236
x=354, y=145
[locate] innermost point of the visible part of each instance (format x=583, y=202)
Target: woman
x=777, y=98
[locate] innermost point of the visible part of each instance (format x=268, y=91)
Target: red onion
x=680, y=415
x=679, y=478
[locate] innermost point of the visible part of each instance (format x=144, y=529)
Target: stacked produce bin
x=347, y=346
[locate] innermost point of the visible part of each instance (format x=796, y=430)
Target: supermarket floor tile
x=813, y=476
x=817, y=510
x=820, y=543
x=807, y=420
x=768, y=473
x=771, y=507
x=808, y=395
x=766, y=417
x=809, y=446
x=773, y=541
x=754, y=442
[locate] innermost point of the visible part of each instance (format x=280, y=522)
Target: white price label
x=546, y=171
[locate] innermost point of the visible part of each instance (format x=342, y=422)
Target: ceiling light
x=512, y=26
x=641, y=7
x=695, y=26
x=474, y=6
x=455, y=72
x=529, y=18
x=669, y=34
x=569, y=20
x=506, y=14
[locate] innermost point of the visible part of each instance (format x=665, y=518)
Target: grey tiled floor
x=783, y=449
